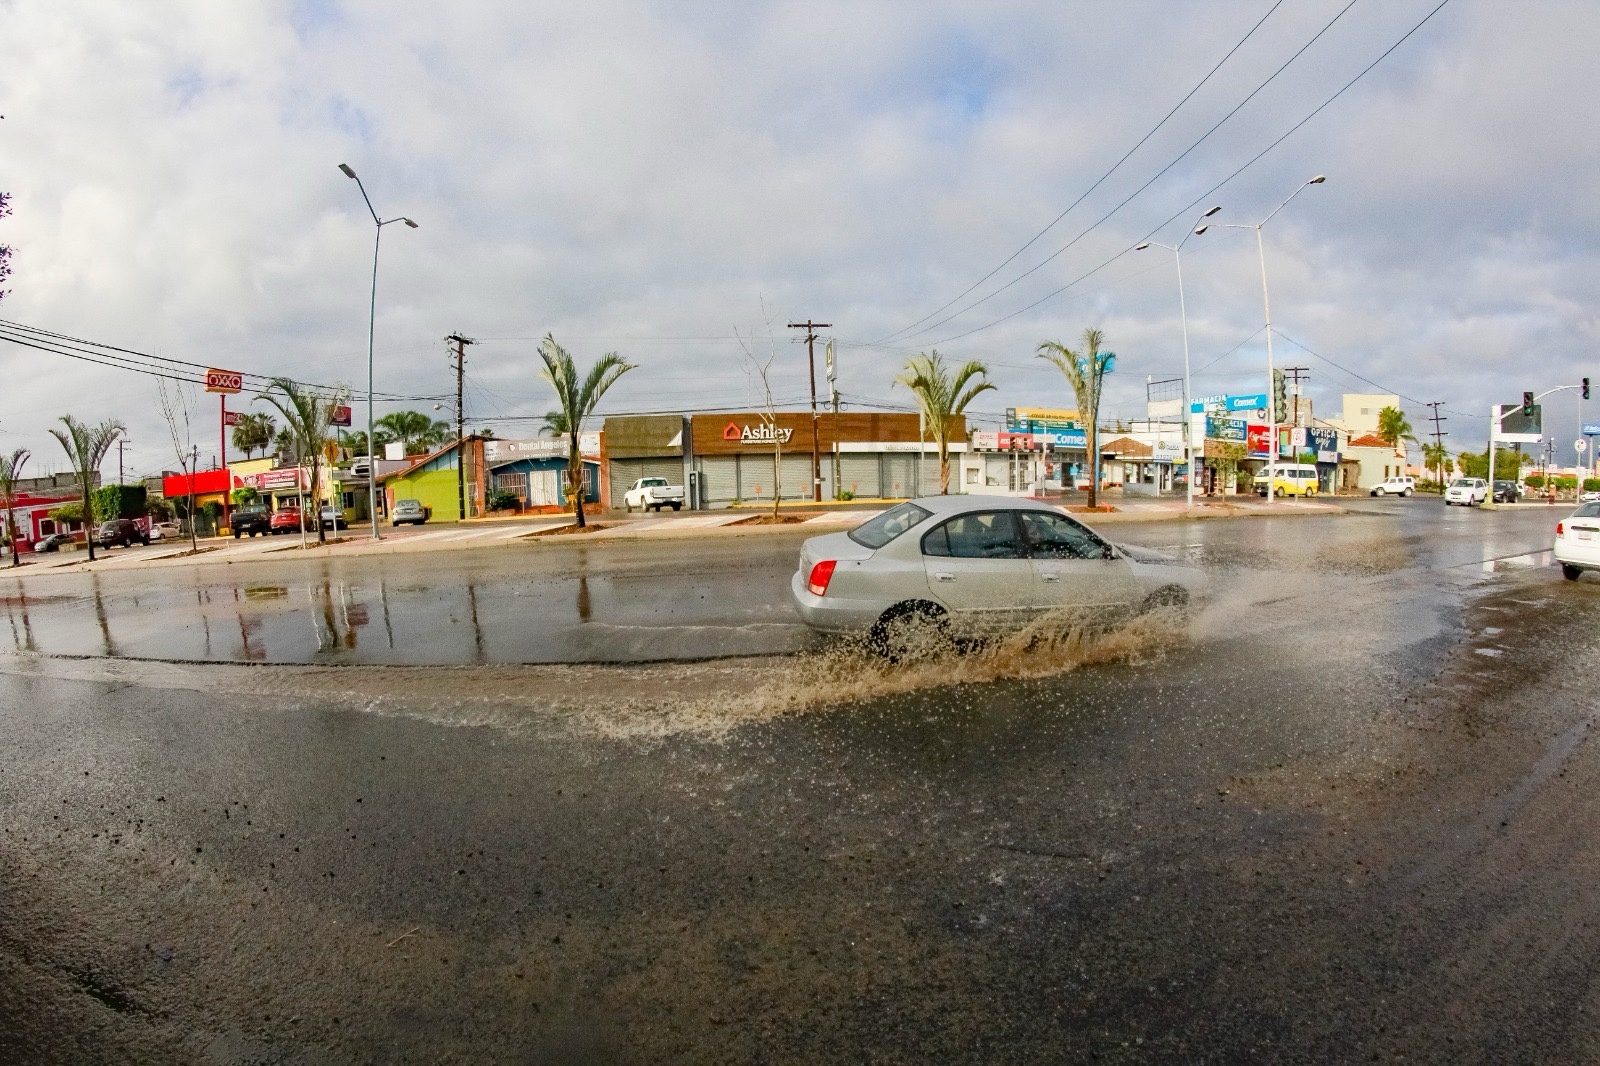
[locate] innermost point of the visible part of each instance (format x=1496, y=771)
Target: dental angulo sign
x=760, y=433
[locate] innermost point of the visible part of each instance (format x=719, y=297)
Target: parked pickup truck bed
x=652, y=494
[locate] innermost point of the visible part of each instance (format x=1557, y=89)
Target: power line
x=1153, y=179
x=1358, y=377
x=1211, y=191
x=1098, y=181
x=159, y=366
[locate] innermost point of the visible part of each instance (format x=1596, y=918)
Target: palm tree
x=1393, y=429
x=555, y=424
x=578, y=401
x=86, y=447
x=11, y=473
x=254, y=432
x=416, y=430
x=1085, y=371
x=307, y=416
x=1436, y=456
x=943, y=393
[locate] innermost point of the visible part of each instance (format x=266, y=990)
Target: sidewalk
x=526, y=530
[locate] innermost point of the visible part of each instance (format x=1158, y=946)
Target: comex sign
x=762, y=434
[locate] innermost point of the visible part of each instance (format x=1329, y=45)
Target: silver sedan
x=975, y=564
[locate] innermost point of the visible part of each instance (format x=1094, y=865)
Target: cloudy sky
x=663, y=179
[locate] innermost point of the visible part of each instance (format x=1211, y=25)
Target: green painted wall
x=435, y=488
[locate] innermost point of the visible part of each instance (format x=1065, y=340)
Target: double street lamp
x=372, y=316
x=1183, y=314
x=1266, y=302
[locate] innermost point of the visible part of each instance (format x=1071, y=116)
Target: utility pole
x=833, y=396
x=461, y=444
x=1294, y=374
x=120, y=443
x=1438, y=438
x=811, y=356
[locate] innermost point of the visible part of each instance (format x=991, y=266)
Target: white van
x=1293, y=479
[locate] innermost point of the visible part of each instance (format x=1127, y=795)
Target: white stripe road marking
x=844, y=516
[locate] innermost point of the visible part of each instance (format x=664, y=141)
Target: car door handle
x=944, y=577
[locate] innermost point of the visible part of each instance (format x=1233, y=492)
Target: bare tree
x=758, y=369
x=177, y=403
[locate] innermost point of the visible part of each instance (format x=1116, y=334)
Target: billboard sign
x=1514, y=427
x=1228, y=429
x=230, y=418
x=277, y=479
x=1325, y=442
x=341, y=415
x=227, y=382
x=1257, y=437
x=1591, y=429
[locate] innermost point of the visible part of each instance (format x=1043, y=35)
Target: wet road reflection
x=680, y=599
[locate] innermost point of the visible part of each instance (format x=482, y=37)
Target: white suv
x=1466, y=491
x=1395, y=486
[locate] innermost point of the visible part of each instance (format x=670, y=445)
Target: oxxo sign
x=225, y=381
x=760, y=434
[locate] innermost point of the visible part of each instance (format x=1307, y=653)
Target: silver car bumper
x=833, y=614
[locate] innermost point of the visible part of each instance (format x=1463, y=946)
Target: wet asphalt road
x=1348, y=816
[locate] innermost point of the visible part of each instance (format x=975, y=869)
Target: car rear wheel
x=1570, y=572
x=909, y=632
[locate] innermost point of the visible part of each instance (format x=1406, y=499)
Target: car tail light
x=1561, y=529
x=821, y=574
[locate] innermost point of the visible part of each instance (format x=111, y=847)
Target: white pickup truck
x=652, y=494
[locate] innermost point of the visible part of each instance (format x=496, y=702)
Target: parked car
x=1394, y=486
x=251, y=520
x=165, y=531
x=960, y=565
x=123, y=532
x=333, y=518
x=53, y=542
x=1590, y=497
x=285, y=520
x=1578, y=541
x=1292, y=479
x=1466, y=491
x=1507, y=491
x=652, y=494
x=410, y=511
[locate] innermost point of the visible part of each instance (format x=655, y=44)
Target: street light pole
x=372, y=320
x=1183, y=315
x=1266, y=303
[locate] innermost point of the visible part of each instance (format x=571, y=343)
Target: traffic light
x=1585, y=388
x=1527, y=404
x=1280, y=398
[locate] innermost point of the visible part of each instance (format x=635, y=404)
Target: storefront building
x=535, y=471
x=638, y=446
x=434, y=481
x=869, y=455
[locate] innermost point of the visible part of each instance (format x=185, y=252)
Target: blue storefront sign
x=1256, y=401
x=1231, y=429
x=1325, y=442
x=1591, y=429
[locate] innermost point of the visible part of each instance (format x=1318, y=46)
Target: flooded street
x=613, y=804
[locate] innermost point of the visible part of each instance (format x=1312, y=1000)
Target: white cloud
x=619, y=173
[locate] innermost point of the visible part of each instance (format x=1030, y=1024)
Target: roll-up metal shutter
x=930, y=474
x=797, y=477
x=899, y=475
x=858, y=474
x=719, y=474
x=755, y=477
x=624, y=472
x=667, y=466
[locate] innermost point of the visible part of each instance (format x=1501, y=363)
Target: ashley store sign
x=757, y=434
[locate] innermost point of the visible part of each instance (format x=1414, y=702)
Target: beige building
x=1360, y=415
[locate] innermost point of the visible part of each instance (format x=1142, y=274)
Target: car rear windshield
x=877, y=532
x=1588, y=510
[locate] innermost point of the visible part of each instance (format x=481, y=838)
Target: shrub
x=244, y=496
x=846, y=494
x=117, y=501
x=1566, y=483
x=501, y=500
x=1591, y=484
x=1535, y=481
x=68, y=512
